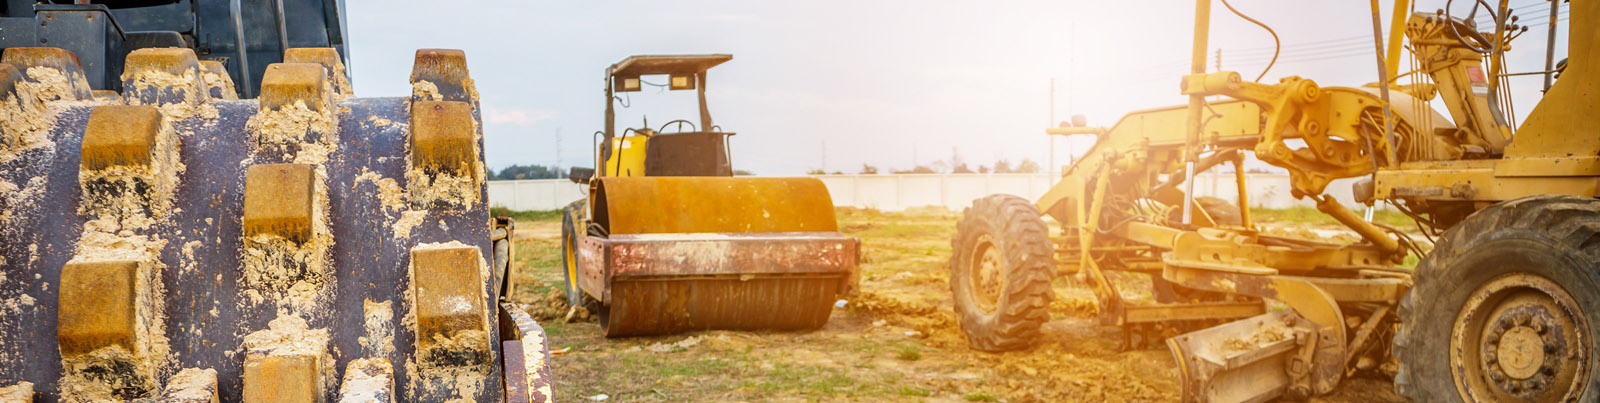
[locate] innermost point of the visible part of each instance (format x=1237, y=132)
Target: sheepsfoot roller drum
x=174, y=242
x=674, y=254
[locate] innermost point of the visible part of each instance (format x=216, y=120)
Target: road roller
x=668, y=240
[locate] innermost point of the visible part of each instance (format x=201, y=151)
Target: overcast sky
x=846, y=83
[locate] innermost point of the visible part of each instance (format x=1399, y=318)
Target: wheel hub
x=1524, y=337
x=1521, y=352
x=988, y=273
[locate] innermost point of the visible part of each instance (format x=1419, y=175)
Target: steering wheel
x=680, y=123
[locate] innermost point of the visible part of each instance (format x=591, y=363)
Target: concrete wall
x=536, y=194
x=953, y=191
x=956, y=191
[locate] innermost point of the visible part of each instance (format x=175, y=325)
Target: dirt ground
x=896, y=341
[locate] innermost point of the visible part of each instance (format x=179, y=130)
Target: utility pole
x=558, y=148
x=1052, y=169
x=1219, y=59
x=824, y=156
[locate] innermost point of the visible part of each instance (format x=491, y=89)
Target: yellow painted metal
x=1106, y=293
x=627, y=156
x=1243, y=191
x=1368, y=231
x=657, y=205
x=1197, y=101
x=1473, y=180
x=1563, y=122
x=1461, y=80
x=1397, y=24
x=1151, y=132
x=1163, y=313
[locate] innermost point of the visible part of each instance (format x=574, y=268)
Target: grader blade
x=1255, y=359
x=702, y=253
x=262, y=246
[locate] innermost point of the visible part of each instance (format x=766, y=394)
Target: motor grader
x=669, y=241
x=166, y=239
x=1503, y=308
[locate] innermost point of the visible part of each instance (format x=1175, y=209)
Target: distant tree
x=868, y=169
x=815, y=171
x=1027, y=166
x=940, y=167
x=983, y=169
x=741, y=172
x=1002, y=167
x=920, y=169
x=961, y=168
x=837, y=173
x=535, y=171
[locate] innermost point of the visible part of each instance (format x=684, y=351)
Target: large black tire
x=1500, y=264
x=573, y=214
x=1007, y=232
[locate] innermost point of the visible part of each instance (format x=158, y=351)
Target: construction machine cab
x=700, y=151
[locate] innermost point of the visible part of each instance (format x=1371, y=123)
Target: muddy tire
x=572, y=215
x=1509, y=299
x=1000, y=273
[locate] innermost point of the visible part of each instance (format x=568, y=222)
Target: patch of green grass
x=980, y=396
x=1310, y=215
x=526, y=216
x=912, y=391
x=908, y=352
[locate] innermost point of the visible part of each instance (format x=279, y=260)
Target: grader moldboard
x=163, y=239
x=669, y=241
x=1503, y=308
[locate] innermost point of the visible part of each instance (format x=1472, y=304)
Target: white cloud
x=516, y=116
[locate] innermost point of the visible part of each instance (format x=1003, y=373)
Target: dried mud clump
x=135, y=192
x=50, y=84
x=21, y=392
x=285, y=128
x=294, y=273
x=430, y=188
x=454, y=367
x=189, y=86
x=367, y=380
x=114, y=372
x=426, y=90
x=451, y=186
x=1267, y=334
x=378, y=323
x=290, y=335
x=26, y=115
x=220, y=85
x=191, y=385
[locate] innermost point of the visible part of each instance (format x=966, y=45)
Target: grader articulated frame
x=1500, y=310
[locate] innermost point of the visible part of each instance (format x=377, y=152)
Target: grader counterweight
x=1501, y=309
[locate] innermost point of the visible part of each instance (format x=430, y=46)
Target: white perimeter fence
x=953, y=191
